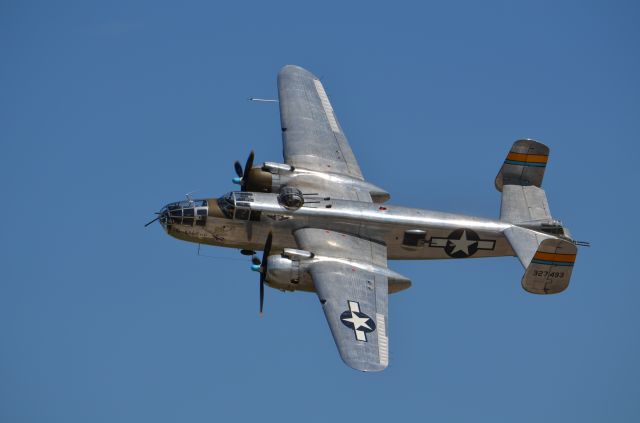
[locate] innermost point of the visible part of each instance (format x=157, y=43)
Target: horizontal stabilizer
x=523, y=204
x=524, y=165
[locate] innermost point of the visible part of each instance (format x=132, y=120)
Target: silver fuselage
x=408, y=233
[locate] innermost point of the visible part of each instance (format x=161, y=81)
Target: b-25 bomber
x=323, y=228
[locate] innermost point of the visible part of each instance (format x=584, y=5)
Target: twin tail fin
x=542, y=244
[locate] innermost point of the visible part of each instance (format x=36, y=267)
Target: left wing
x=312, y=137
x=353, y=292
x=314, y=143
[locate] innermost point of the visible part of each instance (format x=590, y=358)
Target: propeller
x=243, y=175
x=261, y=266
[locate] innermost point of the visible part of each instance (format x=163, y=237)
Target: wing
x=311, y=133
x=354, y=296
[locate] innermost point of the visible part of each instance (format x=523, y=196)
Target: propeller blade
x=247, y=169
x=238, y=167
x=267, y=248
x=261, y=292
x=263, y=272
x=152, y=221
x=248, y=165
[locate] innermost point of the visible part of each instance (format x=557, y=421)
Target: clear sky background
x=109, y=110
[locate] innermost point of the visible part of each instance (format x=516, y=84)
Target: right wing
x=354, y=296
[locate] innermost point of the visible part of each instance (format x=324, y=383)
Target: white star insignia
x=358, y=322
x=462, y=244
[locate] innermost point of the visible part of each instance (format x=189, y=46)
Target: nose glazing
x=164, y=216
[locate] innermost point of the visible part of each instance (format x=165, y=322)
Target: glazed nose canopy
x=185, y=213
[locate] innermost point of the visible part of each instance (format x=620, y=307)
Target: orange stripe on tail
x=528, y=158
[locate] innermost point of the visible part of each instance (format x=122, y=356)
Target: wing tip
x=292, y=70
x=373, y=368
x=364, y=366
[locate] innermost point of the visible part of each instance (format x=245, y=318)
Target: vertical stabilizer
x=524, y=165
x=548, y=260
x=520, y=181
x=541, y=243
x=550, y=269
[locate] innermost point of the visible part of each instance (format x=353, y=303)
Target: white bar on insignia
x=360, y=335
x=353, y=306
x=439, y=242
x=486, y=245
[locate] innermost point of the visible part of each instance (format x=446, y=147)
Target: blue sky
x=109, y=110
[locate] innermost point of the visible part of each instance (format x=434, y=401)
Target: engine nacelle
x=273, y=177
x=290, y=271
x=288, y=275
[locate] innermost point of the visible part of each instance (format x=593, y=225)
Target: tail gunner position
x=324, y=229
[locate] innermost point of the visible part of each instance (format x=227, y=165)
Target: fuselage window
x=202, y=212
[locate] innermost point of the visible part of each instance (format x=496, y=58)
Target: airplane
x=323, y=228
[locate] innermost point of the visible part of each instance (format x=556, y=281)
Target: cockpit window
x=237, y=205
x=185, y=212
x=226, y=206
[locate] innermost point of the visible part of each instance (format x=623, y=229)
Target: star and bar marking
x=462, y=243
x=358, y=321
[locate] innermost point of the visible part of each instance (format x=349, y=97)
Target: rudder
x=524, y=165
x=550, y=269
x=520, y=181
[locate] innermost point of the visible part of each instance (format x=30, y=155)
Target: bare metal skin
x=383, y=223
x=325, y=229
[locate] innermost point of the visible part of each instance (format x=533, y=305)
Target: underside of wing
x=349, y=275
x=354, y=302
x=312, y=136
